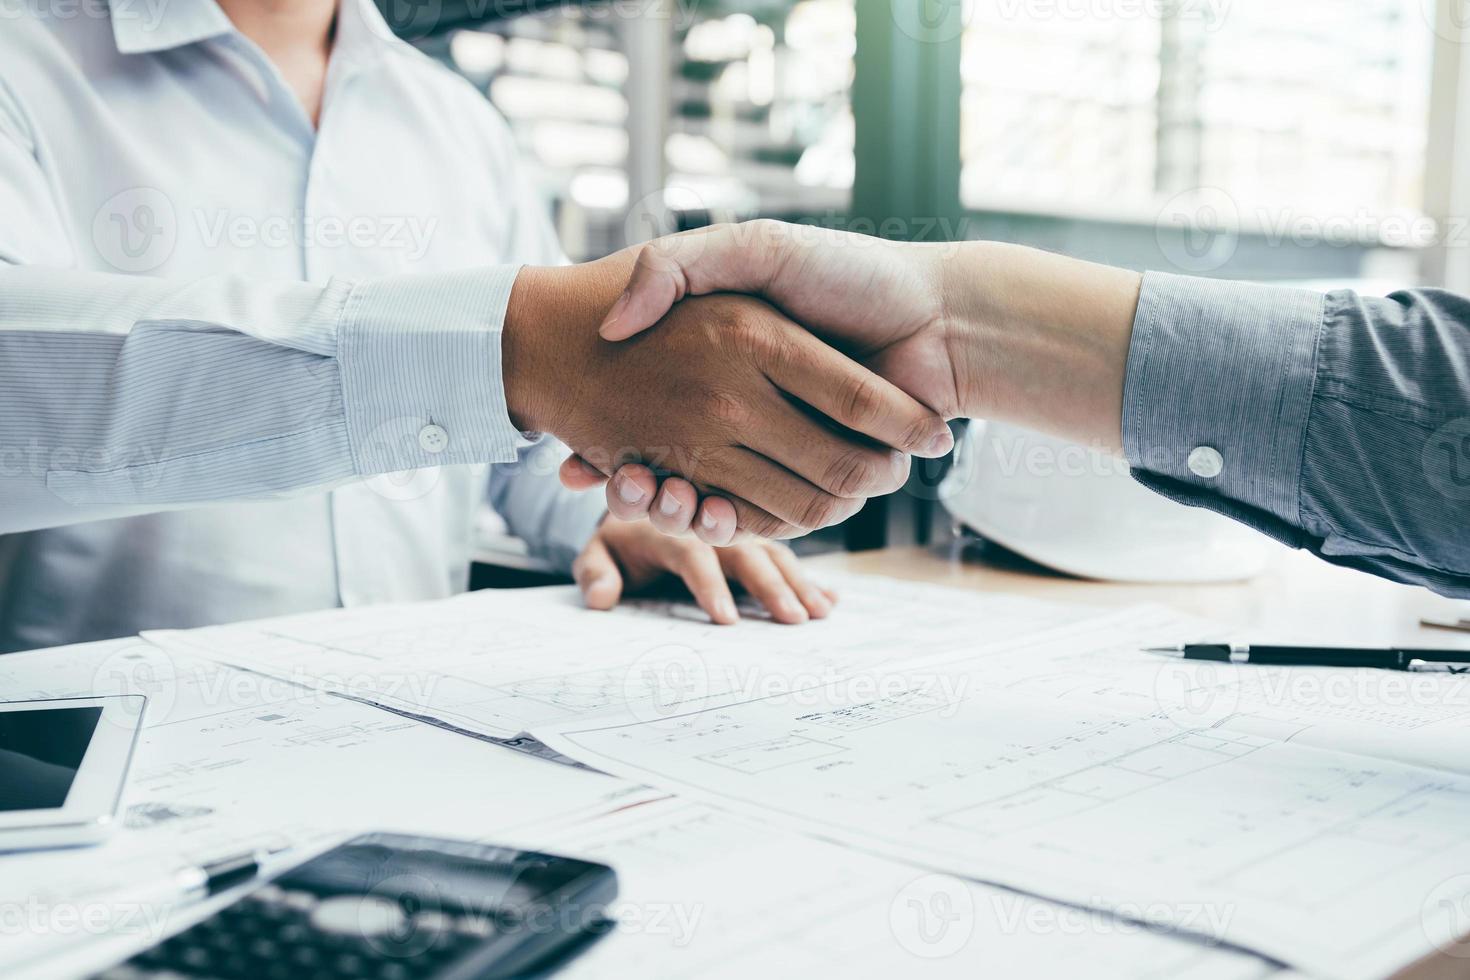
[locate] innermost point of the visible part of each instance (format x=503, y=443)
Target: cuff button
x=433, y=439
x=1206, y=462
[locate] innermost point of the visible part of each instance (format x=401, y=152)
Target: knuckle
x=861, y=402
x=763, y=525
x=727, y=409
x=850, y=474
x=766, y=231
x=823, y=510
x=917, y=434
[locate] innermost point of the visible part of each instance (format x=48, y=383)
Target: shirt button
x=433, y=438
x=1206, y=462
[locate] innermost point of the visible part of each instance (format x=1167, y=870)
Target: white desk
x=308, y=770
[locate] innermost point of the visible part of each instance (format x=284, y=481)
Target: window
x=762, y=114
x=1107, y=108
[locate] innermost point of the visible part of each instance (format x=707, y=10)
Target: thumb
x=578, y=474
x=658, y=282
x=597, y=575
x=737, y=258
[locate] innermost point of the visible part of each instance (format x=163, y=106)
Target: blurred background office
x=1310, y=141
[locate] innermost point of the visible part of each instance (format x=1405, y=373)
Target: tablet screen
x=40, y=752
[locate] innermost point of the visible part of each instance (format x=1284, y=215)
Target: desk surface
x=1297, y=593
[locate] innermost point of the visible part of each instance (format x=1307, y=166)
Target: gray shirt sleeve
x=1342, y=421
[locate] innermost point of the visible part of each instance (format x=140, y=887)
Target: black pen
x=1392, y=658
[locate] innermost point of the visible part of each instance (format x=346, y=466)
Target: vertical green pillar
x=906, y=109
x=906, y=105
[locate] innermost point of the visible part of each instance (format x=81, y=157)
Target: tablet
x=63, y=765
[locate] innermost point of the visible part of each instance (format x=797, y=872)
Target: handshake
x=767, y=378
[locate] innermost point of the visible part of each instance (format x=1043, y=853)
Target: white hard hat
x=1079, y=511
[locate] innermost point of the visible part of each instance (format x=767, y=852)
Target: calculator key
x=349, y=965
x=364, y=915
x=301, y=901
x=476, y=926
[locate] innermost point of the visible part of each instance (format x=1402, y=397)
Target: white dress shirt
x=246, y=329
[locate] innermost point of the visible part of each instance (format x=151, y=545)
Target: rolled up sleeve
x=1331, y=422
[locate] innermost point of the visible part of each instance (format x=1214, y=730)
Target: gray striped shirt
x=1343, y=421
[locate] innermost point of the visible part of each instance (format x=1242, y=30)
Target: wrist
x=553, y=312
x=1041, y=339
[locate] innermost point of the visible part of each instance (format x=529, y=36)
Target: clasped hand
x=729, y=394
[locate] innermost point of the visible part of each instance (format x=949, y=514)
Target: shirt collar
x=362, y=33
x=143, y=26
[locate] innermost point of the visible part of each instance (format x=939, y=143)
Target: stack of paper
x=1014, y=742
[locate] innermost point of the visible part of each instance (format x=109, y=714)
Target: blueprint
x=711, y=895
x=499, y=663
x=1068, y=765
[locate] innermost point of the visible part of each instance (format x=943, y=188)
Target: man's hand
x=729, y=394
x=631, y=557
x=968, y=329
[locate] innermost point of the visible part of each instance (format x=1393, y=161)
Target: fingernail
x=727, y=609
x=668, y=505
x=629, y=492
x=708, y=522
x=941, y=443
x=794, y=610
x=611, y=320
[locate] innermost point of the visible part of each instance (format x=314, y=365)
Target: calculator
x=395, y=907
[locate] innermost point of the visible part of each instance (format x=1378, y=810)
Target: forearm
x=122, y=394
x=1039, y=339
x=1332, y=423
x=554, y=522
